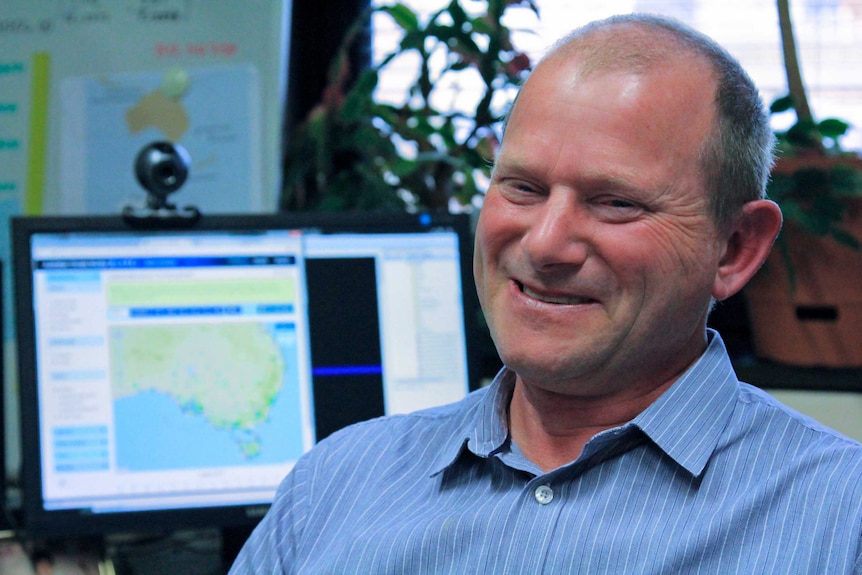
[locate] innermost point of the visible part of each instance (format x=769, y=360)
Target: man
x=626, y=198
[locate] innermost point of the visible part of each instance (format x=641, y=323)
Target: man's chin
x=552, y=372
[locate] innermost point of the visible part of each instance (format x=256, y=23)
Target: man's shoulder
x=788, y=429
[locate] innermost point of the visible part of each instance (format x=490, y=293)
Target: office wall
x=838, y=409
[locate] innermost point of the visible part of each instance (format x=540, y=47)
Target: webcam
x=161, y=168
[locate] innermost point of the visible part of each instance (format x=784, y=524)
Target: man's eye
x=518, y=188
x=616, y=202
x=618, y=209
x=619, y=203
x=518, y=185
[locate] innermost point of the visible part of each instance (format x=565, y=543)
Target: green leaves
x=807, y=134
x=833, y=128
x=403, y=16
x=782, y=104
x=814, y=194
x=355, y=152
x=814, y=197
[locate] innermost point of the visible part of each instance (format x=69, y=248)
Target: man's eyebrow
x=592, y=181
x=513, y=166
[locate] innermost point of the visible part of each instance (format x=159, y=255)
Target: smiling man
x=627, y=197
x=597, y=253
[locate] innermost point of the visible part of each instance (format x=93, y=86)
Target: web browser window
x=168, y=365
x=181, y=369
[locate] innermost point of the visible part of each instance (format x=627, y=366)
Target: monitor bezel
x=40, y=522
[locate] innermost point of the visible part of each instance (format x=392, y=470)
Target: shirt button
x=544, y=494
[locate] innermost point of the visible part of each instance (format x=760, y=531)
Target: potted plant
x=805, y=305
x=355, y=152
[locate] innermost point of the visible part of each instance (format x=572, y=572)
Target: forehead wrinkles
x=671, y=105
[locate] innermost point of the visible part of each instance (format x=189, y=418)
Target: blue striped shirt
x=714, y=477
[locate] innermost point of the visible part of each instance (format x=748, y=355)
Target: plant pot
x=820, y=322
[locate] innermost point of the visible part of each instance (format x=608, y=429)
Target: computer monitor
x=170, y=378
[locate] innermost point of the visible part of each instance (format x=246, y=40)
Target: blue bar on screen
x=347, y=370
x=185, y=311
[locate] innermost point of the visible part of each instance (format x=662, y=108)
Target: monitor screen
x=170, y=378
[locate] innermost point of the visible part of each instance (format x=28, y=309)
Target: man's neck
x=551, y=428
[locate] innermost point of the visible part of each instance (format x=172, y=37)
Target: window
x=828, y=36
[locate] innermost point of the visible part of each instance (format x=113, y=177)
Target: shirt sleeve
x=271, y=548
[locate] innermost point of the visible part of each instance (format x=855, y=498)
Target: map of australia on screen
x=192, y=395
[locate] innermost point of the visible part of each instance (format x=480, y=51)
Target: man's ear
x=747, y=246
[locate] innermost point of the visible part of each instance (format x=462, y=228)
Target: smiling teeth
x=558, y=300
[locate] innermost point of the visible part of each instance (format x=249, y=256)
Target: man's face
x=595, y=251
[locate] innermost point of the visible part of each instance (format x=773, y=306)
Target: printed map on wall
x=108, y=119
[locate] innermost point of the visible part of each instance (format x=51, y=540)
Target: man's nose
x=559, y=233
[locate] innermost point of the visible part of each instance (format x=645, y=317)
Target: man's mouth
x=562, y=300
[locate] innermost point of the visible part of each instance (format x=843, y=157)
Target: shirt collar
x=686, y=422
x=483, y=429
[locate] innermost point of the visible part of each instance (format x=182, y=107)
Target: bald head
x=630, y=43
x=736, y=156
